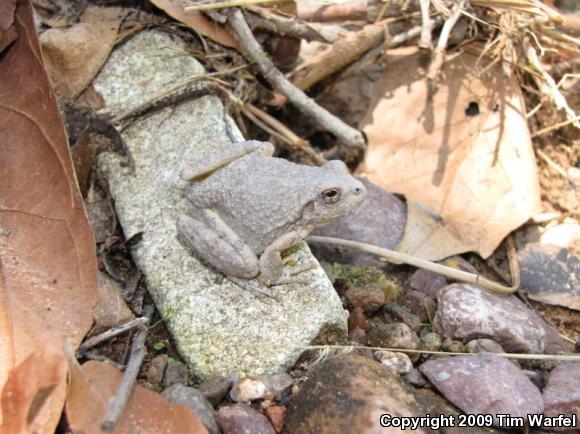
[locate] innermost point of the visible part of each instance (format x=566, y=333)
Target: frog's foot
x=290, y=275
x=254, y=287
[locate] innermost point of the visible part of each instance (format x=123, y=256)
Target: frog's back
x=258, y=196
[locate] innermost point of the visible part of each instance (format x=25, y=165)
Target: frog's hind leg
x=223, y=156
x=217, y=244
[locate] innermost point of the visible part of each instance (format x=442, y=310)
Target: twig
x=548, y=87
x=333, y=12
x=345, y=51
x=290, y=27
x=556, y=126
x=555, y=166
x=227, y=4
x=111, y=333
x=398, y=258
x=426, y=26
x=118, y=402
x=254, y=53
x=440, y=50
x=561, y=357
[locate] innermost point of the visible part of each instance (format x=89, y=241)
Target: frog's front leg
x=217, y=244
x=272, y=265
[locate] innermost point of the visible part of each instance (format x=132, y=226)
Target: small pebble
x=399, y=363
x=399, y=313
x=358, y=335
x=175, y=373
x=396, y=335
x=415, y=378
x=157, y=369
x=243, y=419
x=483, y=345
x=196, y=402
x=270, y=387
x=358, y=320
x=276, y=415
x=431, y=342
x=215, y=388
x=452, y=346
x=368, y=298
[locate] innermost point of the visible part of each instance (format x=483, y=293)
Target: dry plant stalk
x=254, y=53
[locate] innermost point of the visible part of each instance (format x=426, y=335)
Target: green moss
x=351, y=276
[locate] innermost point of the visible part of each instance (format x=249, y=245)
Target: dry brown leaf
x=46, y=246
x=73, y=56
x=474, y=171
x=147, y=412
x=198, y=22
x=111, y=310
x=28, y=387
x=7, y=29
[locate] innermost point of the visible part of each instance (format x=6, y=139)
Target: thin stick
x=555, y=166
x=556, y=126
x=253, y=53
x=138, y=351
x=228, y=4
x=290, y=27
x=111, y=333
x=547, y=86
x=441, y=48
x=562, y=357
x=398, y=258
x=426, y=26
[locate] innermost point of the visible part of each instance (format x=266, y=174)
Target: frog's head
x=336, y=194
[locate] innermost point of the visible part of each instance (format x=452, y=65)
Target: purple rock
x=562, y=393
x=426, y=282
x=466, y=312
x=422, y=305
x=484, y=384
x=380, y=220
x=243, y=419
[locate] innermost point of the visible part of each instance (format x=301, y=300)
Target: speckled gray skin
x=254, y=205
x=216, y=326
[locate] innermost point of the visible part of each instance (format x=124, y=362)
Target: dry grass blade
x=229, y=4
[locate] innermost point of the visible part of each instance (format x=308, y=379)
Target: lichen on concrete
x=217, y=327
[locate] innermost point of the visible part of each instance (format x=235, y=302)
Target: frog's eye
x=332, y=195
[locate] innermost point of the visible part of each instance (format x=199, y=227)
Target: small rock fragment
x=366, y=389
x=538, y=378
x=483, y=346
x=399, y=363
x=215, y=389
x=358, y=320
x=398, y=313
x=467, y=312
x=175, y=373
x=550, y=274
x=243, y=419
x=426, y=282
x=270, y=387
x=452, y=346
x=431, y=342
x=422, y=305
x=368, y=298
x=276, y=415
x=157, y=369
x=358, y=335
x=415, y=378
x=195, y=401
x=484, y=384
x=396, y=335
x=562, y=393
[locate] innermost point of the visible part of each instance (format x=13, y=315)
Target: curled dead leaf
x=465, y=154
x=198, y=22
x=74, y=55
x=147, y=412
x=46, y=245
